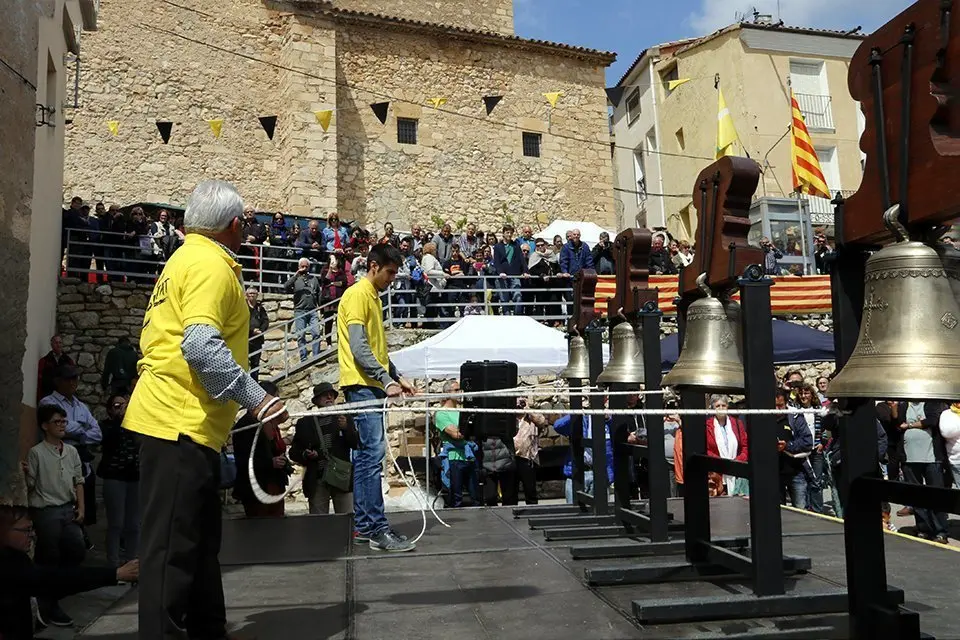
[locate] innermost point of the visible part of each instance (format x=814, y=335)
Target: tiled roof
x=810, y=30
x=664, y=45
x=324, y=6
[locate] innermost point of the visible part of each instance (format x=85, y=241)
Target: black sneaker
x=389, y=542
x=54, y=615
x=360, y=538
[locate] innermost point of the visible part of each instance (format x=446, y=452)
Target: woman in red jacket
x=726, y=437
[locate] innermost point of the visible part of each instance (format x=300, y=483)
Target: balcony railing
x=817, y=111
x=821, y=209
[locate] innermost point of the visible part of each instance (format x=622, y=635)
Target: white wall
x=47, y=193
x=631, y=138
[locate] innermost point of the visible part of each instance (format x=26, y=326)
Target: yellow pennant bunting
x=437, y=102
x=114, y=126
x=553, y=97
x=324, y=117
x=216, y=126
x=673, y=84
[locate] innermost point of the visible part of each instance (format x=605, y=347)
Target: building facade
x=240, y=60
x=37, y=42
x=668, y=135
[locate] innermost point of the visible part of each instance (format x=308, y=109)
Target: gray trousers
x=320, y=500
x=59, y=539
x=122, y=502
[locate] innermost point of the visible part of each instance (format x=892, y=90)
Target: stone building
x=243, y=59
x=37, y=37
x=666, y=136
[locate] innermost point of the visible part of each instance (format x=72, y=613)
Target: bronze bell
x=909, y=343
x=712, y=354
x=578, y=361
x=626, y=359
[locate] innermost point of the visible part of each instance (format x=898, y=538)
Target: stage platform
x=490, y=576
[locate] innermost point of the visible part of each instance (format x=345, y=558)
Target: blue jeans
x=463, y=473
x=587, y=486
x=301, y=322
x=798, y=490
x=122, y=502
x=369, y=518
x=510, y=292
x=815, y=486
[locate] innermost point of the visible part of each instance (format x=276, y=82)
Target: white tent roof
x=536, y=348
x=589, y=232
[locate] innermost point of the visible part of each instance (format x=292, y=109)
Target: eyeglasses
x=117, y=405
x=58, y=421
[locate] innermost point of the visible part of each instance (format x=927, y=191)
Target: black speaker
x=488, y=376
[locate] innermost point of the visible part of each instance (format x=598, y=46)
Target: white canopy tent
x=589, y=232
x=536, y=348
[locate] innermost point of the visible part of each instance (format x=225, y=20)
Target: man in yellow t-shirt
x=366, y=373
x=193, y=379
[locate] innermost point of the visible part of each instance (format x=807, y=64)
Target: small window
x=531, y=144
x=406, y=131
x=680, y=141
x=633, y=106
x=666, y=76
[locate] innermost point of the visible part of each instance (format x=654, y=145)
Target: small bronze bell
x=909, y=343
x=578, y=361
x=712, y=354
x=626, y=360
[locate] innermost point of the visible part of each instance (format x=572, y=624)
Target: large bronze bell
x=909, y=343
x=712, y=354
x=626, y=359
x=578, y=361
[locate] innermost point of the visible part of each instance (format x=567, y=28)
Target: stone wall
x=136, y=75
x=467, y=165
x=482, y=15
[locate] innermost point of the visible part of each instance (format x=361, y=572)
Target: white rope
x=344, y=409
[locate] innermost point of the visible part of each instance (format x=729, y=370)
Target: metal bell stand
x=875, y=608
x=654, y=522
x=765, y=566
x=594, y=510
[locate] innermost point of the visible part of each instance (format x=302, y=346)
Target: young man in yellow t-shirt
x=366, y=373
x=193, y=379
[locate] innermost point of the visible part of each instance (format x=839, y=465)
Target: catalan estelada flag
x=807, y=176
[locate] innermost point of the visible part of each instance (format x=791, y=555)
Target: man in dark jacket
x=510, y=264
x=49, y=363
x=120, y=367
x=259, y=323
x=306, y=291
x=22, y=579
x=270, y=465
x=316, y=439
x=602, y=255
x=575, y=255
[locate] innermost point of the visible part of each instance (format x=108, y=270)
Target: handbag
x=338, y=473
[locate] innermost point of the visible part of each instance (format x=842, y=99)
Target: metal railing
x=309, y=338
x=817, y=110
x=821, y=209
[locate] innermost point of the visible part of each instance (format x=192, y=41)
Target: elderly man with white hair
x=193, y=379
x=306, y=291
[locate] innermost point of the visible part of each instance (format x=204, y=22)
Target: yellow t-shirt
x=199, y=285
x=361, y=305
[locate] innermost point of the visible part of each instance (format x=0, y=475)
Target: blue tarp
x=792, y=343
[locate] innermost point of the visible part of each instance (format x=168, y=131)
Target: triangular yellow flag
x=437, y=102
x=726, y=131
x=216, y=126
x=673, y=84
x=553, y=97
x=114, y=126
x=324, y=117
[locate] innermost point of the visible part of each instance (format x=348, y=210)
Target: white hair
x=212, y=207
x=719, y=397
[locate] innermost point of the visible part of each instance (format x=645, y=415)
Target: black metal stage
x=491, y=576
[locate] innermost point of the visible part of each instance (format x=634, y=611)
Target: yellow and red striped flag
x=807, y=175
